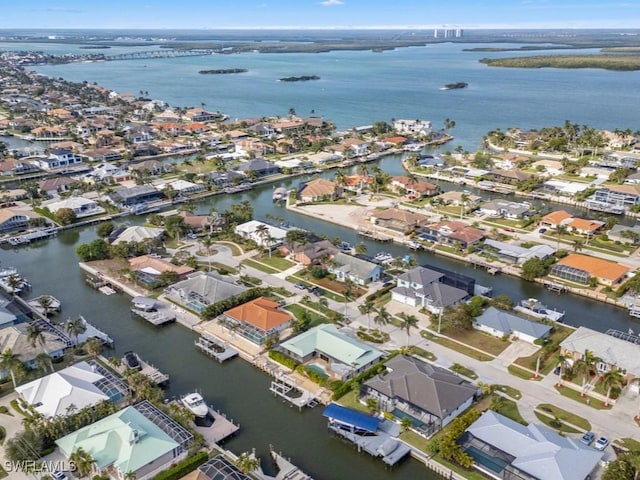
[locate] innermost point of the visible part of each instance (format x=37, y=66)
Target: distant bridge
x=164, y=53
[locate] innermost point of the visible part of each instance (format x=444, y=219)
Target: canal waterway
x=236, y=388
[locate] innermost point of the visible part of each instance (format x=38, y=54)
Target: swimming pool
x=114, y=394
x=416, y=423
x=318, y=368
x=485, y=459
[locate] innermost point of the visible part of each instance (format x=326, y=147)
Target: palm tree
x=207, y=242
x=247, y=463
x=36, y=337
x=366, y=308
x=383, y=316
x=562, y=362
x=9, y=361
x=611, y=379
x=361, y=248
x=262, y=232
x=584, y=367
x=75, y=328
x=560, y=231
x=130, y=475
x=408, y=322
x=348, y=296
x=83, y=461
x=45, y=302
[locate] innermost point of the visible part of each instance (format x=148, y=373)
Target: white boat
x=535, y=308
x=195, y=404
x=383, y=257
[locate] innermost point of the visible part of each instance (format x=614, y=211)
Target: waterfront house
x=580, y=268
x=322, y=158
x=354, y=147
x=81, y=206
x=140, y=440
x=181, y=187
x=258, y=320
x=508, y=161
x=573, y=224
x=505, y=209
x=419, y=127
x=12, y=166
x=501, y=323
x=613, y=352
x=138, y=234
x=619, y=195
x=58, y=158
x=422, y=287
x=398, y=219
x=506, y=449
x=148, y=270
x=201, y=115
x=203, y=289
x=15, y=337
x=343, y=355
x=511, y=253
x=511, y=177
x=152, y=167
x=318, y=190
x=53, y=186
x=411, y=388
x=452, y=233
x=456, y=198
x=314, y=253
x=413, y=189
x=548, y=167
x=80, y=385
x=260, y=167
x=129, y=196
x=199, y=223
x=253, y=230
x=359, y=271
x=12, y=220
x=102, y=155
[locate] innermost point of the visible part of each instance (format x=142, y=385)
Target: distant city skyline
x=273, y=14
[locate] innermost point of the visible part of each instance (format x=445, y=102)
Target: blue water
x=359, y=88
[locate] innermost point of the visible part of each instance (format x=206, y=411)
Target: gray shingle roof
x=428, y=387
x=209, y=286
x=507, y=322
x=421, y=276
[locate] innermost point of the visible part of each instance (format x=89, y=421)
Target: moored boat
x=195, y=404
x=535, y=308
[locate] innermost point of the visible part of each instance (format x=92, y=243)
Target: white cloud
x=331, y=3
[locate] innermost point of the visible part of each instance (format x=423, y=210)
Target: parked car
x=509, y=230
x=299, y=285
x=588, y=438
x=602, y=443
x=542, y=230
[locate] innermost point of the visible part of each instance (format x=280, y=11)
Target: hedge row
x=355, y=382
x=187, y=465
x=282, y=359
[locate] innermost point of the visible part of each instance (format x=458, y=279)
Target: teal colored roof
x=328, y=340
x=127, y=439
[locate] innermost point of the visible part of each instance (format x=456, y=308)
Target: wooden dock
x=221, y=428
x=378, y=237
x=149, y=371
x=214, y=347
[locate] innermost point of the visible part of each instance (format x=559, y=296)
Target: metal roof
x=351, y=417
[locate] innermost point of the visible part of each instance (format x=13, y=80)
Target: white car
x=601, y=443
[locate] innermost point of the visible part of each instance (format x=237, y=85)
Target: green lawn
x=423, y=353
x=587, y=400
x=260, y=266
x=512, y=392
x=275, y=262
x=521, y=373
x=315, y=318
x=480, y=340
x=509, y=409
x=350, y=400
x=565, y=416
x=555, y=424
x=469, y=352
x=630, y=444
x=462, y=370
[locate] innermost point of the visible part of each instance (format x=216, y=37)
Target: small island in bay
x=303, y=78
x=453, y=86
x=621, y=62
x=222, y=71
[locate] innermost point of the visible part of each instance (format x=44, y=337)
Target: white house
x=500, y=323
x=420, y=127
x=423, y=288
x=272, y=237
x=82, y=207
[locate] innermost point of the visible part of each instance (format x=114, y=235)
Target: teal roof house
x=140, y=439
x=344, y=356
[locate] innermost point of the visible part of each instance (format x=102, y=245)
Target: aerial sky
x=216, y=14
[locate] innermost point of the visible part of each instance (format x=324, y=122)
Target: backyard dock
x=221, y=428
x=45, y=304
x=214, y=347
x=149, y=371
x=287, y=389
x=154, y=312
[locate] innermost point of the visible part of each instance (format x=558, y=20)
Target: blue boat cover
x=351, y=417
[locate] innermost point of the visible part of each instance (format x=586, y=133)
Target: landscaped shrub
x=179, y=470
x=282, y=359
